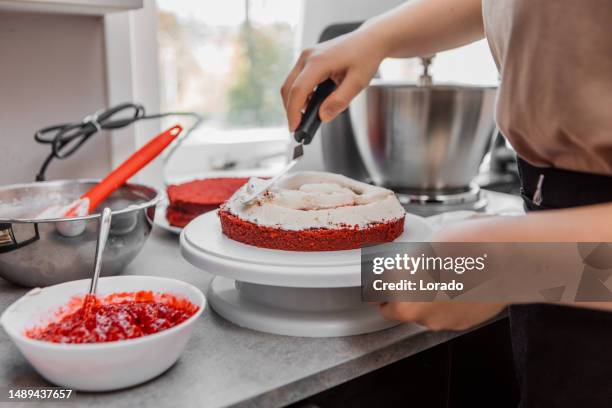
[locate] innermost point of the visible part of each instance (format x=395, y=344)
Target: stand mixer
x=425, y=141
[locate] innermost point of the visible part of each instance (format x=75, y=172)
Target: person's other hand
x=350, y=61
x=441, y=315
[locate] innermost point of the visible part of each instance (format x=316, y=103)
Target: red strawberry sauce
x=118, y=316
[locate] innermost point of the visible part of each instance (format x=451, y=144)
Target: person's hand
x=445, y=315
x=350, y=61
x=441, y=315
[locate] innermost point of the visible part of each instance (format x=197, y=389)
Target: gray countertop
x=225, y=365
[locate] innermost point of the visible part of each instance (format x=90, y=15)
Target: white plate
x=204, y=245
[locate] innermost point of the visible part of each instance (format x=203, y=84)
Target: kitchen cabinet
x=472, y=370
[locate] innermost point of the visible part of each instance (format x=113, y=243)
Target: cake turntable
x=309, y=294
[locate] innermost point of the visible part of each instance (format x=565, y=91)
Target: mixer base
x=427, y=204
x=237, y=302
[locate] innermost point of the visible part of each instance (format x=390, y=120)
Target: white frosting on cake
x=313, y=199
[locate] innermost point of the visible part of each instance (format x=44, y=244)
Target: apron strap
x=548, y=188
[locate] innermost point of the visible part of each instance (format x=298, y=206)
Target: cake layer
x=314, y=239
x=316, y=200
x=197, y=195
x=180, y=218
x=188, y=200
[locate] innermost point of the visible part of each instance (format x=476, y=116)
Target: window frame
x=132, y=74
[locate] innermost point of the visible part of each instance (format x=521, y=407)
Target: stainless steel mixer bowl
x=415, y=139
x=36, y=253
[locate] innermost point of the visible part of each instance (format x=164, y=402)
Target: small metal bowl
x=34, y=252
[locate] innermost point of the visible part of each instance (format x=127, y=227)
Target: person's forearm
x=424, y=27
x=581, y=224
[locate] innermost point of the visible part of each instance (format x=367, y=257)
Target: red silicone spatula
x=92, y=198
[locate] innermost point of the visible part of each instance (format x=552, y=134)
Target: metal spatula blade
x=303, y=135
x=298, y=152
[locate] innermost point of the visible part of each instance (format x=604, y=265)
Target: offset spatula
x=304, y=134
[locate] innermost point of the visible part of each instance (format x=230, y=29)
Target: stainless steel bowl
x=35, y=252
x=415, y=139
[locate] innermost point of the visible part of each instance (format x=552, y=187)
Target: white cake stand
x=311, y=294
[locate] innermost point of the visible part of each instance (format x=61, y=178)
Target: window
x=227, y=62
x=472, y=64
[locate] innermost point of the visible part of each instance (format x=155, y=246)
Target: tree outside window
x=229, y=66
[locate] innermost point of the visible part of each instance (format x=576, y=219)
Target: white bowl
x=99, y=366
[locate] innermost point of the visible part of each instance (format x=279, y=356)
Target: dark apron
x=563, y=355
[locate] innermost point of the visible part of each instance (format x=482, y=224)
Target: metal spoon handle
x=103, y=229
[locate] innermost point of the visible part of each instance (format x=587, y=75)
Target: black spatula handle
x=311, y=121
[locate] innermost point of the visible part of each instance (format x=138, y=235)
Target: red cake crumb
x=188, y=200
x=315, y=239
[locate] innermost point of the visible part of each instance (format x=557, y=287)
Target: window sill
x=85, y=7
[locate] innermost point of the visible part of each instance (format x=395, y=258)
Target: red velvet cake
x=314, y=211
x=188, y=200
